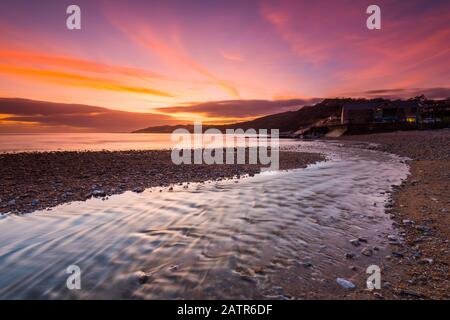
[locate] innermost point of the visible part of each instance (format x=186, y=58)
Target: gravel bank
x=419, y=266
x=39, y=180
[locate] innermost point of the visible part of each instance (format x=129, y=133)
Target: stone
x=367, y=252
x=378, y=295
x=422, y=228
x=98, y=193
x=346, y=284
x=410, y=293
x=138, y=189
x=34, y=202
x=355, y=242
x=397, y=254
x=426, y=261
x=349, y=255
x=142, y=277
x=393, y=238
x=12, y=202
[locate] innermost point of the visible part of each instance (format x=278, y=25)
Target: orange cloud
x=141, y=34
x=77, y=64
x=78, y=80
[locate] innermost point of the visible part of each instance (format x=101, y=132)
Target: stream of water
x=228, y=239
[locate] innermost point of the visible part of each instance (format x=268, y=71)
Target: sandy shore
x=39, y=180
x=419, y=266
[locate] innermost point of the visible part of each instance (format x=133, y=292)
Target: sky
x=219, y=61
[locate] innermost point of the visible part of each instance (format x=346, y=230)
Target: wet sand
x=31, y=181
x=419, y=264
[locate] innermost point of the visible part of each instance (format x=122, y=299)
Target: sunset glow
x=149, y=56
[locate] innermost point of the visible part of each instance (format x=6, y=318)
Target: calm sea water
x=93, y=141
x=275, y=235
x=83, y=141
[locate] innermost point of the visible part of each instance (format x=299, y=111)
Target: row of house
x=400, y=111
x=359, y=116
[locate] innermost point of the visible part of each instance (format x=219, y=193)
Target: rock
x=423, y=228
x=98, y=193
x=138, y=189
x=355, y=242
x=307, y=264
x=349, y=255
x=345, y=283
x=35, y=202
x=426, y=261
x=397, y=254
x=142, y=277
x=410, y=293
x=258, y=270
x=173, y=267
x=393, y=238
x=378, y=295
x=407, y=222
x=367, y=252
x=12, y=202
x=361, y=239
x=418, y=240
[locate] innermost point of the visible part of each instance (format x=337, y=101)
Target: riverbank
x=419, y=264
x=40, y=180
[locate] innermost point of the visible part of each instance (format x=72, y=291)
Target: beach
x=419, y=265
x=33, y=181
x=275, y=235
x=328, y=222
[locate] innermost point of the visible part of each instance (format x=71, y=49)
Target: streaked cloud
x=405, y=93
x=232, y=109
x=74, y=79
x=22, y=115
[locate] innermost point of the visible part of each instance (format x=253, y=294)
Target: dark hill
x=286, y=121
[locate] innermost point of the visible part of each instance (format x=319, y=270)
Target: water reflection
x=213, y=240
